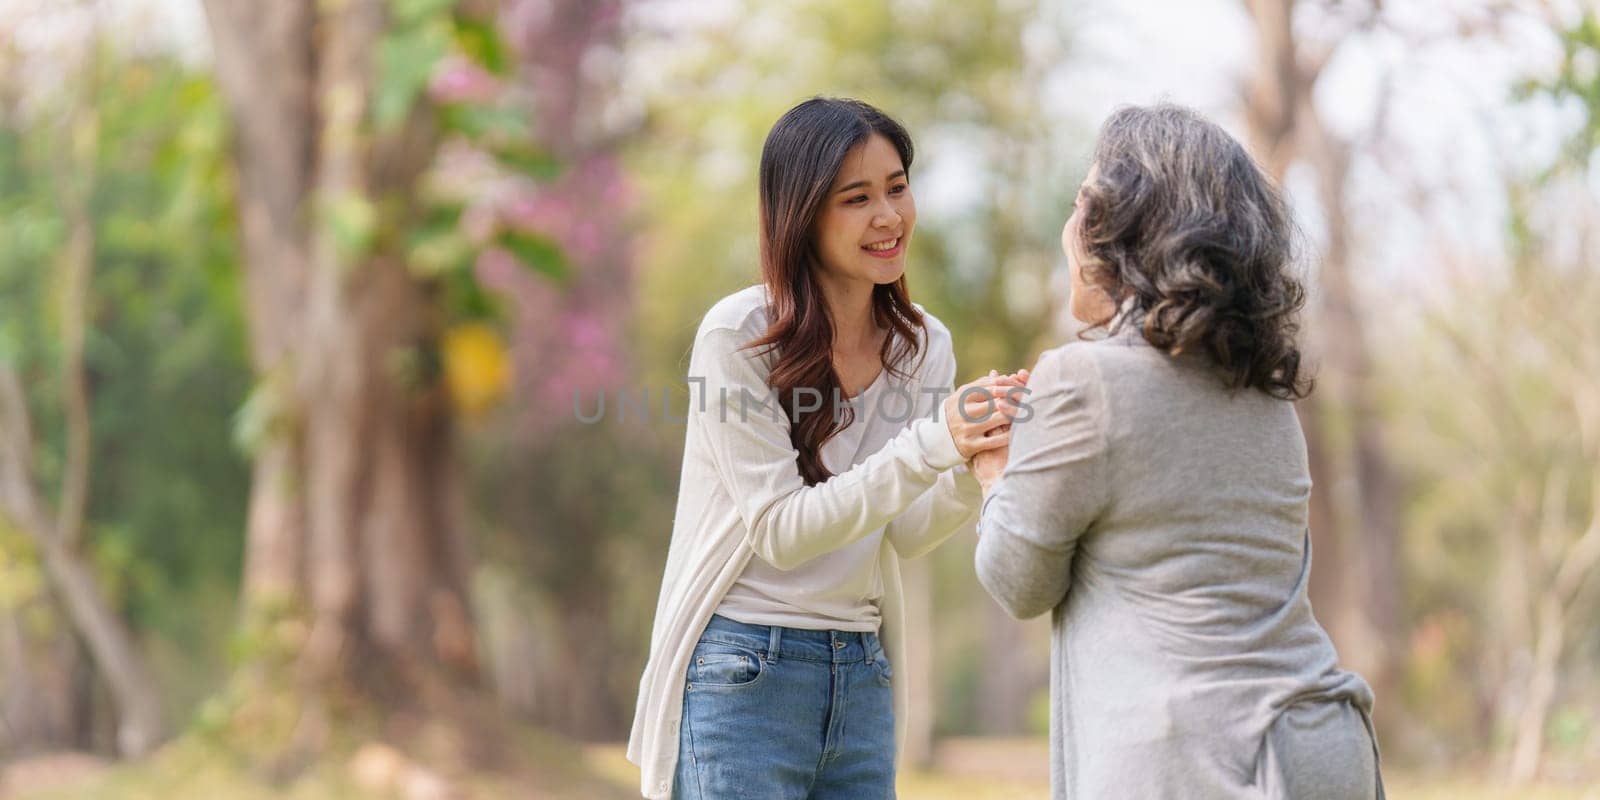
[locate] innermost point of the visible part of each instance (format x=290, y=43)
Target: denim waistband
x=775, y=642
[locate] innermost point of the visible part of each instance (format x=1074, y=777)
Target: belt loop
x=774, y=638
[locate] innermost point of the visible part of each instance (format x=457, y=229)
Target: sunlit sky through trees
x=1437, y=78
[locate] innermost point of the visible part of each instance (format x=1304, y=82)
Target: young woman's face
x=865, y=223
x=1089, y=304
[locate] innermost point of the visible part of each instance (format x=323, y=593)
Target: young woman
x=824, y=444
x=1156, y=499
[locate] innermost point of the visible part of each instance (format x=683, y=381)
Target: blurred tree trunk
x=1354, y=521
x=113, y=647
x=27, y=720
x=36, y=697
x=1557, y=608
x=353, y=519
x=47, y=681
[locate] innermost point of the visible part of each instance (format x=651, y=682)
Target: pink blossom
x=478, y=222
x=584, y=330
x=496, y=269
x=459, y=80
x=529, y=211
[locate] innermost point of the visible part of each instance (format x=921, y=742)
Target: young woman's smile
x=888, y=248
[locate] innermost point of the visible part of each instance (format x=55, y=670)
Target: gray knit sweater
x=1161, y=519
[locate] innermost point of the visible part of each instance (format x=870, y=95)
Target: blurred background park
x=295, y=297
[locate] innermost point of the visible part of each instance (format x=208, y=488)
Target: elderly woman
x=1155, y=499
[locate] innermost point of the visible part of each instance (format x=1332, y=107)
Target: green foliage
x=537, y=253
x=502, y=128
x=263, y=414
x=21, y=578
x=427, y=38
x=1494, y=424
x=525, y=158
x=410, y=13
x=480, y=41
x=1577, y=81
x=419, y=36
x=165, y=355
x=438, y=246
x=353, y=220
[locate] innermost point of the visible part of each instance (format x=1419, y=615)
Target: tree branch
x=139, y=723
x=77, y=265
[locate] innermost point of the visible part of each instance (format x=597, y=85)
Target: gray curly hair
x=1184, y=231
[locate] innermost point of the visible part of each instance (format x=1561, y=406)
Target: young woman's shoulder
x=744, y=312
x=936, y=357
x=936, y=337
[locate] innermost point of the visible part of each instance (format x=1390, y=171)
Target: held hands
x=979, y=413
x=988, y=463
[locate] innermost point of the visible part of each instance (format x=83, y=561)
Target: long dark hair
x=799, y=163
x=1184, y=229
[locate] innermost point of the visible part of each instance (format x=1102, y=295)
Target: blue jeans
x=786, y=714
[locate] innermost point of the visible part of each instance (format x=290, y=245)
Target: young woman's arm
x=1053, y=487
x=952, y=503
x=788, y=523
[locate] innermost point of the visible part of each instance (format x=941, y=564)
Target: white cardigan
x=741, y=494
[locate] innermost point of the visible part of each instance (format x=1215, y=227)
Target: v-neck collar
x=883, y=373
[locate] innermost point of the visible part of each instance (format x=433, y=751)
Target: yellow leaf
x=477, y=367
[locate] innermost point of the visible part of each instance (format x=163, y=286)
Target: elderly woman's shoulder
x=1088, y=357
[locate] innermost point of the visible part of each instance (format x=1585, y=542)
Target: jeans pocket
x=880, y=662
x=722, y=665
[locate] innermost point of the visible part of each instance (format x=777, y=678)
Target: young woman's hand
x=987, y=465
x=979, y=413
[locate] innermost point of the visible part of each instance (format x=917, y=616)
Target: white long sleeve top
x=741, y=495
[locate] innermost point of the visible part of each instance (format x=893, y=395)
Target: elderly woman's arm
x=1053, y=487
